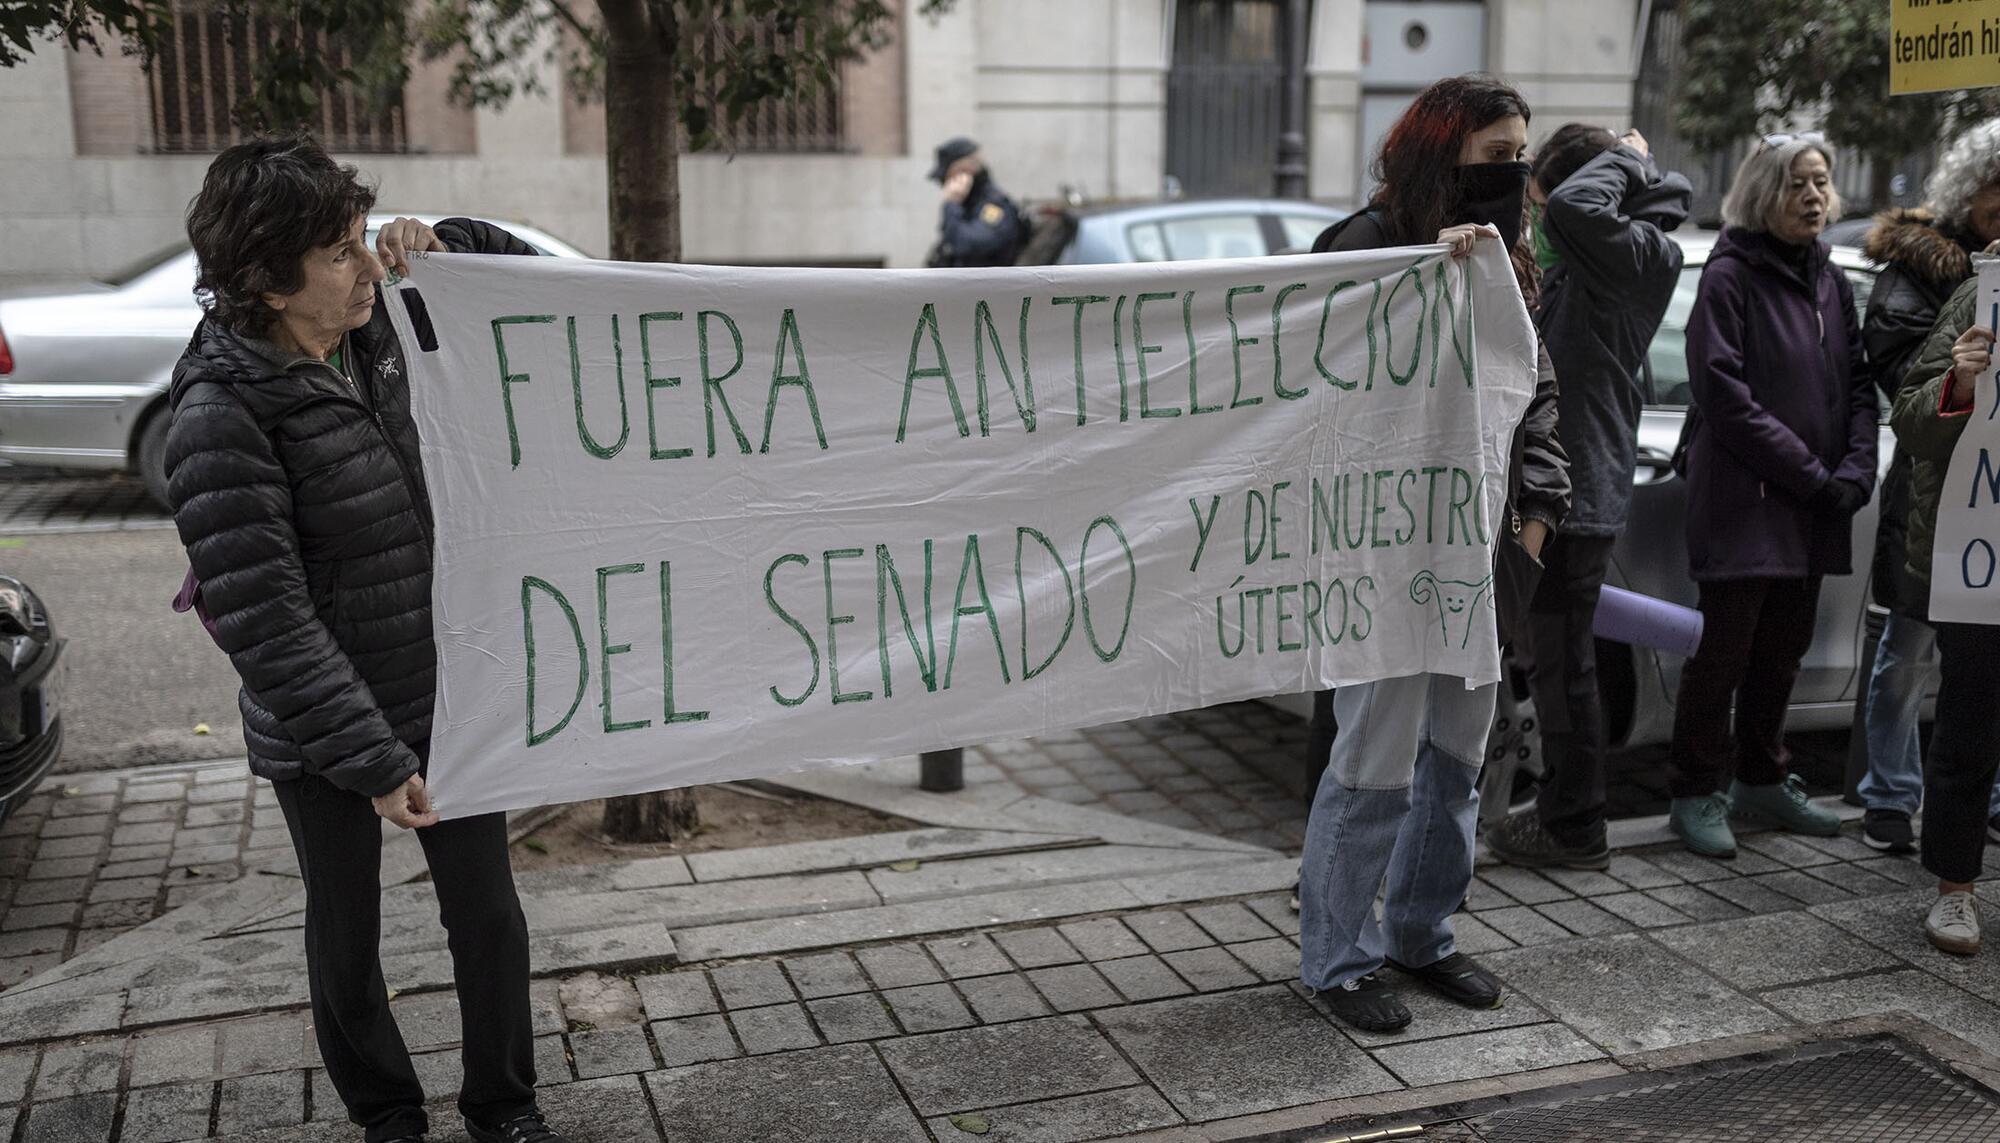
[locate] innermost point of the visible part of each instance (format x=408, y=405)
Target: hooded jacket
x=1921, y=265
x=1782, y=390
x=1928, y=435
x=1601, y=304
x=299, y=494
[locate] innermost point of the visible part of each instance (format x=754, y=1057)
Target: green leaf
x=909, y=866
x=971, y=1124
x=536, y=844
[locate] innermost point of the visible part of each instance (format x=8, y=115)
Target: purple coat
x=1785, y=404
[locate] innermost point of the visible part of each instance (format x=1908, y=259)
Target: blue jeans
x=1399, y=800
x=1905, y=662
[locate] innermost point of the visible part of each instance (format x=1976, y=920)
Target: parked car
x=1186, y=230
x=31, y=686
x=1639, y=685
x=84, y=370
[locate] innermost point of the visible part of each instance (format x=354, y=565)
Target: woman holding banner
x=298, y=491
x=1779, y=454
x=1399, y=798
x=1931, y=412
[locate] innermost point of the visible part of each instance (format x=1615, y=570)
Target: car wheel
x=1513, y=749
x=151, y=458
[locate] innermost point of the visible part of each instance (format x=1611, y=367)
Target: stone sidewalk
x=35, y=500
x=1019, y=968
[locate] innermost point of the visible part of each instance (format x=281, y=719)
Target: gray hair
x=1764, y=178
x=1969, y=164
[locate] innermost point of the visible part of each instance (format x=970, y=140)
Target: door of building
x=1408, y=45
x=1224, y=93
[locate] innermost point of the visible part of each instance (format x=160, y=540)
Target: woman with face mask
x=1399, y=798
x=1779, y=454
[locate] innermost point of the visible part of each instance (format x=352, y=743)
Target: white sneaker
x=1953, y=924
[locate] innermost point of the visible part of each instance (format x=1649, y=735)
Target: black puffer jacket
x=1921, y=265
x=300, y=499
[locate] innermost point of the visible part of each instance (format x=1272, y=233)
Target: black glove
x=1842, y=497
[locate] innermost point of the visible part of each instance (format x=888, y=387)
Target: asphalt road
x=140, y=677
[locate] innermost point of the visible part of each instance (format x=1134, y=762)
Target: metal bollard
x=943, y=771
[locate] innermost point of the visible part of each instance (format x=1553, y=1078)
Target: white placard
x=703, y=523
x=1965, y=559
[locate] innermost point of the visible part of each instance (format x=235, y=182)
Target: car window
x=1302, y=229
x=1146, y=243
x=1666, y=358
x=1214, y=236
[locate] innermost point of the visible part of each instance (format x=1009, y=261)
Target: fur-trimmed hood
x=1909, y=238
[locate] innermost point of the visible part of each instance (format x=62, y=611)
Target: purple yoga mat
x=1628, y=617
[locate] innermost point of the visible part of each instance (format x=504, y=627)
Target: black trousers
x=1965, y=750
x=1754, y=632
x=339, y=842
x=1560, y=654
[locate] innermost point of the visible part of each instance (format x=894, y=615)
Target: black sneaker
x=527, y=1128
x=1458, y=979
x=1889, y=831
x=1521, y=839
x=1368, y=1004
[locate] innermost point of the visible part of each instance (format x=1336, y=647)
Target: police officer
x=980, y=226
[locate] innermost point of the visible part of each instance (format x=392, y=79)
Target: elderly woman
x=1779, y=455
x=299, y=493
x=1925, y=253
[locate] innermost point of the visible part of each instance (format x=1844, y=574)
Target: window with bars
x=809, y=122
x=209, y=59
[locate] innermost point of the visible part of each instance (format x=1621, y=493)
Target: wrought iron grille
x=805, y=122
x=1225, y=95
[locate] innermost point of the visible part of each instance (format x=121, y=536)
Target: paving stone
x=844, y=1019
x=79, y=1069
x=828, y=974
x=1072, y=1119
x=1637, y=909
x=927, y=1008
x=143, y=833
x=1620, y=992
x=1854, y=879
x=773, y=1028
x=152, y=812
x=216, y=814
x=751, y=985
x=1073, y=987
x=610, y=1110
x=667, y=995
x=1229, y=923
x=973, y=955
x=38, y=916
x=1922, y=995
x=1167, y=930
x=67, y=1016
x=152, y=867
x=551, y=1061
x=1524, y=885
x=203, y=793
x=1144, y=978
x=271, y=1099
x=1524, y=926
x=83, y=805
x=600, y=1000
x=1788, y=851
x=266, y=1043
x=167, y=1114
x=1508, y=1051
x=1640, y=873
x=1584, y=882
x=1036, y=948
x=428, y=1019
x=999, y=999
x=1895, y=924
x=1751, y=896
x=1005, y=1064
x=694, y=1039
x=1691, y=867
x=1210, y=969
x=1238, y=1053
x=1847, y=845
x=1778, y=949
x=15, y=1068
x=898, y=966
x=127, y=889
x=1274, y=959
x=144, y=792
x=80, y=1119
x=15, y=970
x=1798, y=885
x=1901, y=870
x=67, y=890
x=1582, y=918
x=1102, y=939
x=92, y=826
x=1277, y=913
x=203, y=855
x=611, y=1051
x=230, y=835
x=118, y=853
x=841, y=1092
x=61, y=868
x=1696, y=902
x=115, y=914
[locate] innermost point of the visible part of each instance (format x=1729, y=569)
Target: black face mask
x=1492, y=193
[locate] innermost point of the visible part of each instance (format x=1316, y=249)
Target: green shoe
x=1783, y=804
x=1704, y=824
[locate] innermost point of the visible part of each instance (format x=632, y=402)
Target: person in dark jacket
x=1606, y=214
x=978, y=225
x=1399, y=800
x=1925, y=253
x=1931, y=411
x=1780, y=454
x=299, y=494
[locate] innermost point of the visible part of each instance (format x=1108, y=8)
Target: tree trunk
x=643, y=157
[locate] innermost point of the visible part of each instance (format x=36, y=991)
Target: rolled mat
x=1628, y=617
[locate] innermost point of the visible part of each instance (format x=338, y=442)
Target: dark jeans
x=1754, y=632
x=339, y=842
x=1560, y=654
x=1965, y=750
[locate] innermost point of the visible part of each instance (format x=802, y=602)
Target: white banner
x=701, y=523
x=1965, y=560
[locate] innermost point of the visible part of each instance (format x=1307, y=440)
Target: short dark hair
x=1566, y=151
x=262, y=206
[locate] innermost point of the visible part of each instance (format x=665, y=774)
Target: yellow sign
x=1943, y=45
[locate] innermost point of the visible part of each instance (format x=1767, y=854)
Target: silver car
x=1187, y=230
x=84, y=370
